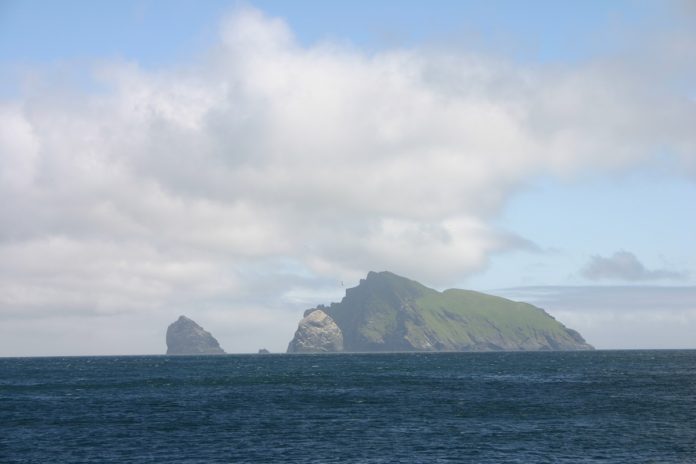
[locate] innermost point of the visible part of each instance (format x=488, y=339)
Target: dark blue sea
x=555, y=407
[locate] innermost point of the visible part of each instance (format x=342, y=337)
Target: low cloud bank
x=620, y=317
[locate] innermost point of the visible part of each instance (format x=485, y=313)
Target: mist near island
x=265, y=175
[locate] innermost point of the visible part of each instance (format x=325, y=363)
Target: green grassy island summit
x=386, y=312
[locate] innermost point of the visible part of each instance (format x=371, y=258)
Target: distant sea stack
x=386, y=312
x=185, y=337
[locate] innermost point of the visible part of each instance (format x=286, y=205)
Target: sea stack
x=316, y=333
x=185, y=337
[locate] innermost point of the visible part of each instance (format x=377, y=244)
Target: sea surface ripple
x=551, y=407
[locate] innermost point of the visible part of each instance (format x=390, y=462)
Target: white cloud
x=276, y=167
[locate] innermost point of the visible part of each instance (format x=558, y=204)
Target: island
x=390, y=313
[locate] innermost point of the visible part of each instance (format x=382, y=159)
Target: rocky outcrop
x=316, y=333
x=185, y=337
x=386, y=312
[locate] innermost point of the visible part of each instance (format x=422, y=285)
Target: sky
x=240, y=162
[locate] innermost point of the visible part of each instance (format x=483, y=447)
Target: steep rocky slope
x=386, y=312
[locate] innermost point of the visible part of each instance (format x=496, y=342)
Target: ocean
x=542, y=407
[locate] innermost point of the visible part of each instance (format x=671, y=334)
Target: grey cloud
x=624, y=265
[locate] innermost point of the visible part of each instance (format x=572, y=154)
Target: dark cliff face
x=373, y=315
x=185, y=337
x=386, y=312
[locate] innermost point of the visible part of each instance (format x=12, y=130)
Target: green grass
x=459, y=315
x=387, y=310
